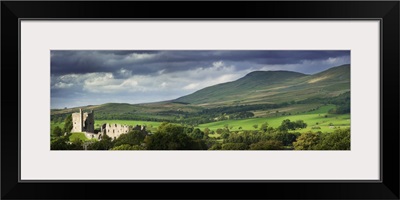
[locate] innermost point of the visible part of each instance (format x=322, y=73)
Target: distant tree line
x=341, y=101
x=177, y=137
x=207, y=115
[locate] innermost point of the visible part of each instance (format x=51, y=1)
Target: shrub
x=267, y=145
x=234, y=146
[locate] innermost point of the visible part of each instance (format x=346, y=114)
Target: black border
x=206, y=180
x=386, y=11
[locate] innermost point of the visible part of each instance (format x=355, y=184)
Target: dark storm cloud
x=147, y=62
x=86, y=77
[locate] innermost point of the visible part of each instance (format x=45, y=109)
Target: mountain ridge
x=257, y=87
x=268, y=82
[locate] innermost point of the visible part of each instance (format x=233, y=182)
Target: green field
x=78, y=136
x=317, y=118
x=311, y=118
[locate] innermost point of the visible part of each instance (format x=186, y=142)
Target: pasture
x=317, y=118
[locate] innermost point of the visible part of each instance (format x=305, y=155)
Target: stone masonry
x=115, y=130
x=83, y=122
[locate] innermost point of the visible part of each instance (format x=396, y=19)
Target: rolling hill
x=255, y=88
x=273, y=87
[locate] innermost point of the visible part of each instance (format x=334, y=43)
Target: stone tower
x=80, y=120
x=83, y=122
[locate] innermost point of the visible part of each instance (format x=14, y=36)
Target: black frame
x=386, y=11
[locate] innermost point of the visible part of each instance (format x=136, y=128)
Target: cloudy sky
x=81, y=78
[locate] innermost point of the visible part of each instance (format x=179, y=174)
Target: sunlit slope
x=273, y=87
x=259, y=87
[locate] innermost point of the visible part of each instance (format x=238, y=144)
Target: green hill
x=256, y=88
x=273, y=87
x=232, y=91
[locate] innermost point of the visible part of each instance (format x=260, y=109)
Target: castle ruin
x=115, y=130
x=84, y=122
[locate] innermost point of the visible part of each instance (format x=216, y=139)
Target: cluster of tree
x=241, y=115
x=253, y=140
x=58, y=118
x=193, y=118
x=63, y=143
x=178, y=137
x=338, y=140
x=57, y=131
x=288, y=125
x=342, y=102
x=178, y=116
x=266, y=138
x=167, y=137
x=341, y=109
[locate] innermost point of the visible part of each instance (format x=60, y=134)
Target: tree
x=234, y=146
x=216, y=146
x=226, y=126
x=134, y=137
x=68, y=124
x=286, y=125
x=207, y=131
x=128, y=147
x=264, y=127
x=338, y=140
x=224, y=135
x=300, y=124
x=267, y=145
x=104, y=144
x=57, y=131
x=196, y=134
x=307, y=141
x=76, y=145
x=286, y=138
x=60, y=143
x=172, y=137
x=122, y=147
x=219, y=131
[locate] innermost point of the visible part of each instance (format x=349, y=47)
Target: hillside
x=256, y=88
x=236, y=90
x=273, y=87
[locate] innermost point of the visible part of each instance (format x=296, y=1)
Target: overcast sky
x=80, y=78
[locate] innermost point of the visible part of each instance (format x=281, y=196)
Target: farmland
x=314, y=119
x=234, y=115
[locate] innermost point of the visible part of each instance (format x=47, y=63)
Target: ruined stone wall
x=76, y=123
x=115, y=130
x=88, y=122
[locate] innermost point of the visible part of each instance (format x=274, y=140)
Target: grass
x=78, y=136
x=312, y=118
x=54, y=124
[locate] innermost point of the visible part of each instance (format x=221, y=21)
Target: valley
x=261, y=98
